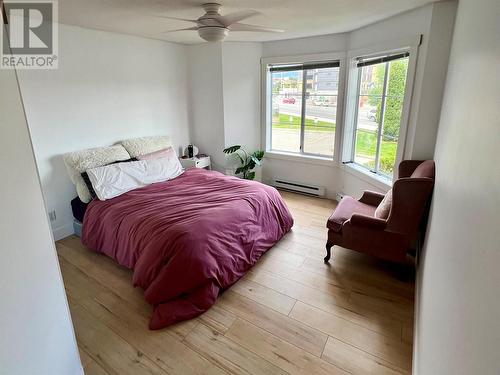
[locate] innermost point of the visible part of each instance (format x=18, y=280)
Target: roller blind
x=377, y=60
x=306, y=66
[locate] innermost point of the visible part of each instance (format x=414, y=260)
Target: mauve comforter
x=187, y=239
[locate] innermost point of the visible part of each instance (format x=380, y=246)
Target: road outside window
x=304, y=108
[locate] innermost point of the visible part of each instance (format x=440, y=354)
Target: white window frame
x=394, y=47
x=266, y=122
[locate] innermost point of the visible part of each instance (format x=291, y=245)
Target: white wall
x=108, y=87
x=224, y=97
x=304, y=46
x=241, y=89
x=36, y=335
x=206, y=101
x=457, y=327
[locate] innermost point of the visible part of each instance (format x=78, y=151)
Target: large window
x=303, y=107
x=378, y=110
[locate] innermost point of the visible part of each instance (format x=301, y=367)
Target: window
x=303, y=107
x=377, y=111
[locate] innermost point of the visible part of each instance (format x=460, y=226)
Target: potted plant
x=248, y=161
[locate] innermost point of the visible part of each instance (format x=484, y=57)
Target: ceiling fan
x=214, y=27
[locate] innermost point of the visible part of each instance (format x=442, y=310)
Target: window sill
x=379, y=181
x=307, y=159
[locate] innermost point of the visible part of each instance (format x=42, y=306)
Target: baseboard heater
x=299, y=187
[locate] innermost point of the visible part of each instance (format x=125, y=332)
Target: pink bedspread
x=187, y=239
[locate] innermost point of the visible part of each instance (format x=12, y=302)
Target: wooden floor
x=290, y=314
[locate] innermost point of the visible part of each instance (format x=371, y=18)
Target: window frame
x=266, y=101
x=351, y=105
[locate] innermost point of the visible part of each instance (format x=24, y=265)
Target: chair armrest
x=371, y=197
x=367, y=222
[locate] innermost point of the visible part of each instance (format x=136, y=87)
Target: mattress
x=77, y=227
x=79, y=208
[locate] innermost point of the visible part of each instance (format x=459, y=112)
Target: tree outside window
x=385, y=96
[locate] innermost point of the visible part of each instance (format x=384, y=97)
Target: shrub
x=395, y=95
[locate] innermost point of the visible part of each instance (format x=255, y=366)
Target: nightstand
x=203, y=162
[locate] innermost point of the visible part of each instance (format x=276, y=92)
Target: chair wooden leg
x=328, y=251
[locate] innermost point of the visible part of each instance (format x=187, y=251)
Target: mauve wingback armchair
x=384, y=226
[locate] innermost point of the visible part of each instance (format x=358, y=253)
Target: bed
x=187, y=239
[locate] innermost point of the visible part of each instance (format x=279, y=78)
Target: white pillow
x=113, y=180
x=79, y=161
x=145, y=145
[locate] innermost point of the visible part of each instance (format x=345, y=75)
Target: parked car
x=289, y=100
x=322, y=101
x=372, y=114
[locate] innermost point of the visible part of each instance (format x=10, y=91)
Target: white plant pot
x=258, y=173
x=257, y=170
x=232, y=163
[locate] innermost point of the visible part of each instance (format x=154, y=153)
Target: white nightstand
x=196, y=162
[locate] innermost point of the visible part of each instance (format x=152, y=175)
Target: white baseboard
x=62, y=232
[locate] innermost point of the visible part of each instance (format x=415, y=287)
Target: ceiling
x=300, y=18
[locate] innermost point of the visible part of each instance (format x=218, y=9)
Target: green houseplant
x=248, y=161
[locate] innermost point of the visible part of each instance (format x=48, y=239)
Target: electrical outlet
x=339, y=196
x=52, y=215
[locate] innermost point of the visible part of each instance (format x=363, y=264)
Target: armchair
x=384, y=225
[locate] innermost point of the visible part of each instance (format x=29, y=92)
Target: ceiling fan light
x=213, y=34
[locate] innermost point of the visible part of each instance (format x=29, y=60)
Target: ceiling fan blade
x=231, y=18
x=245, y=27
x=173, y=18
x=172, y=31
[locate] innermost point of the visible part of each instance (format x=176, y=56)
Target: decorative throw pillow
x=86, y=178
x=145, y=145
x=168, y=153
x=384, y=208
x=79, y=161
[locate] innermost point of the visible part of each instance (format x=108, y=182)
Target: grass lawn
x=293, y=122
x=366, y=141
x=366, y=145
